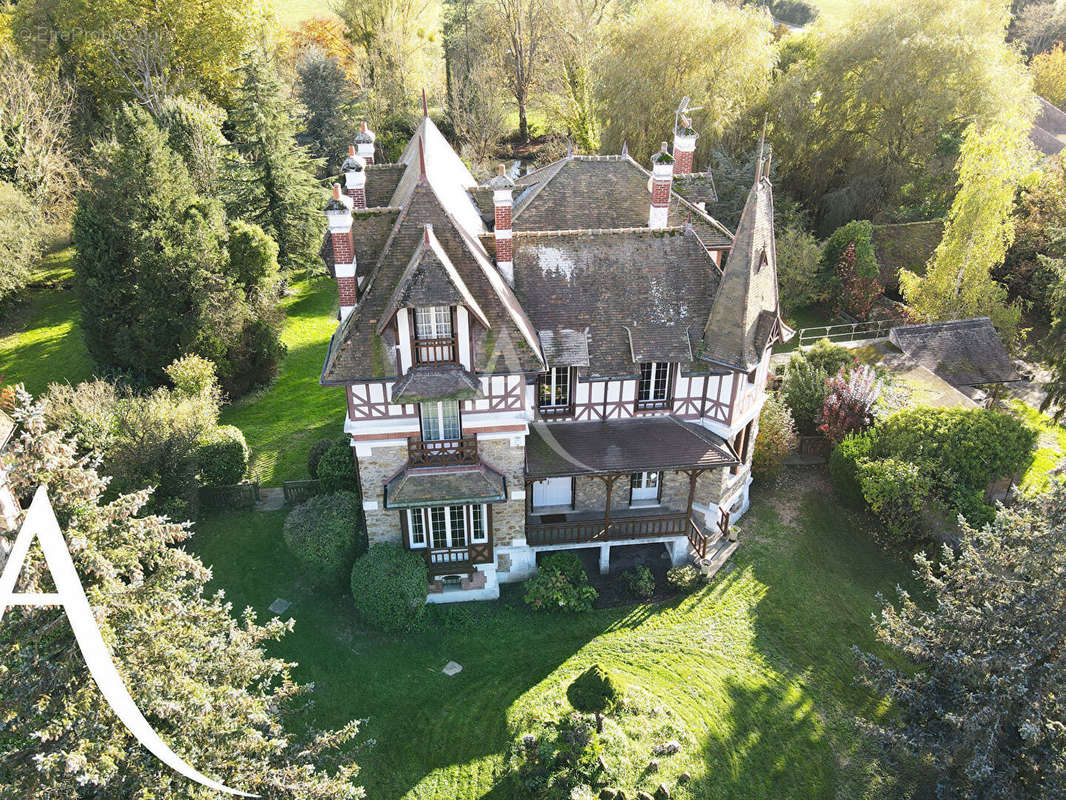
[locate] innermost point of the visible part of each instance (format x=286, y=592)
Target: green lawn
x=281, y=421
x=753, y=674
x=41, y=341
x=1050, y=447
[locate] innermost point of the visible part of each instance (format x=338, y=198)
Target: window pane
x=562, y=386
x=416, y=527
x=544, y=390
x=645, y=382
x=480, y=532
x=438, y=527
x=458, y=525
x=444, y=321
x=424, y=323
x=450, y=417
x=651, y=480
x=662, y=371
x=430, y=422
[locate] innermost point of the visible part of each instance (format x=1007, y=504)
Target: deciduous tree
x=1049, y=74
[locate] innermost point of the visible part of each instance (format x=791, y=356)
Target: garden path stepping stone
x=451, y=668
x=279, y=606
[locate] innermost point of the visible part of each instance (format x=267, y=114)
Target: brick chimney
x=502, y=202
x=684, y=147
x=662, y=177
x=364, y=143
x=339, y=217
x=354, y=169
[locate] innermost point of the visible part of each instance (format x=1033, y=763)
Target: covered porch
x=613, y=453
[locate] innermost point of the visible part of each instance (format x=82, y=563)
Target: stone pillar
x=354, y=169
x=605, y=559
x=339, y=216
x=662, y=178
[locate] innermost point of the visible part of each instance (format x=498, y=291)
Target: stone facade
x=590, y=493
x=375, y=469
x=508, y=518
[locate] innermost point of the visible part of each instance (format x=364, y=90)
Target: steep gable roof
x=430, y=280
x=745, y=317
x=594, y=192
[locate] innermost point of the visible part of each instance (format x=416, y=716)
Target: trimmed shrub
x=593, y=691
x=324, y=534
x=223, y=456
x=828, y=356
x=639, y=581
x=314, y=455
x=844, y=468
x=336, y=468
x=560, y=585
x=685, y=578
x=389, y=587
x=193, y=376
x=896, y=491
x=804, y=390
x=775, y=440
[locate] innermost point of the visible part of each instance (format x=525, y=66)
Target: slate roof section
x=381, y=183
x=622, y=446
x=414, y=488
x=1049, y=128
x=965, y=352
x=436, y=383
x=430, y=280
x=599, y=192
x=659, y=343
x=606, y=281
x=370, y=230
x=737, y=329
x=358, y=352
x=565, y=347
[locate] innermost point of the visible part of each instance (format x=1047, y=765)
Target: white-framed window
x=654, y=382
x=440, y=420
x=553, y=492
x=433, y=322
x=554, y=388
x=445, y=527
x=644, y=487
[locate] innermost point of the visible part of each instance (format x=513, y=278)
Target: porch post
x=609, y=480
x=693, y=476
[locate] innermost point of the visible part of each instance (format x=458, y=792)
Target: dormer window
x=434, y=335
x=554, y=392
x=653, y=391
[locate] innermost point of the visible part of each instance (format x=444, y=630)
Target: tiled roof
x=965, y=352
x=737, y=326
x=370, y=229
x=606, y=281
x=591, y=192
x=618, y=446
x=436, y=383
x=425, y=487
x=358, y=352
x=1048, y=128
x=660, y=343
x=381, y=183
x=565, y=347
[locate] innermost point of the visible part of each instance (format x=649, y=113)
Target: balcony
x=435, y=351
x=443, y=453
x=455, y=560
x=591, y=527
x=664, y=404
x=556, y=412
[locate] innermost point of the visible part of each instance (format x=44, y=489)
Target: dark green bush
x=593, y=691
x=844, y=466
x=549, y=761
x=223, y=456
x=389, y=586
x=794, y=12
x=336, y=468
x=828, y=357
x=560, y=585
x=314, y=455
x=685, y=578
x=325, y=535
x=896, y=491
x=639, y=581
x=804, y=390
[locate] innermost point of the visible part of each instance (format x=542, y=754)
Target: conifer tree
x=272, y=177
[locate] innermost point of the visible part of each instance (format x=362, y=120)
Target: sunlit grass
x=1050, y=447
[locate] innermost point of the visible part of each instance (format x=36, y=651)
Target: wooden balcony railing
x=435, y=351
x=655, y=405
x=553, y=412
x=620, y=529
x=458, y=559
x=698, y=539
x=443, y=453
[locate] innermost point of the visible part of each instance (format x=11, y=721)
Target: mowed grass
x=281, y=421
x=1050, y=447
x=753, y=674
x=41, y=340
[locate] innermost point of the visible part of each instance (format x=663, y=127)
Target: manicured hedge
x=223, y=457
x=389, y=586
x=325, y=535
x=594, y=690
x=336, y=468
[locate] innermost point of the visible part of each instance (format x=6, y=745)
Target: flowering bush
x=560, y=585
x=848, y=258
x=848, y=407
x=775, y=440
x=858, y=292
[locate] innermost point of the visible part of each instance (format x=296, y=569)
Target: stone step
x=718, y=554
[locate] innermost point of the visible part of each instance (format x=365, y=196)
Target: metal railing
x=848, y=331
x=443, y=453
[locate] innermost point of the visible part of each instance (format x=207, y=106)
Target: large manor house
x=572, y=358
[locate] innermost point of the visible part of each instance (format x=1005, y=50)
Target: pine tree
x=198, y=673
x=150, y=263
x=272, y=177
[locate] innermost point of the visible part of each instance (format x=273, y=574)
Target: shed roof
x=622, y=446
x=435, y=383
x=413, y=488
x=965, y=352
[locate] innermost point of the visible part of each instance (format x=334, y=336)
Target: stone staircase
x=718, y=553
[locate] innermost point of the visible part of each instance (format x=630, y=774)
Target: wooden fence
x=222, y=498
x=298, y=491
